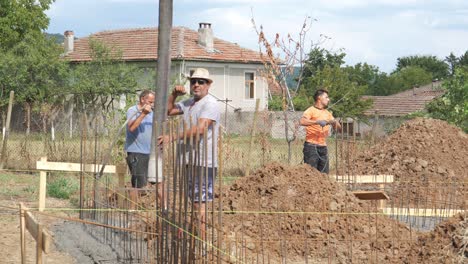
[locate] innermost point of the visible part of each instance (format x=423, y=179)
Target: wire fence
x=251, y=139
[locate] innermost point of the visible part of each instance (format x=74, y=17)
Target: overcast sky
x=372, y=31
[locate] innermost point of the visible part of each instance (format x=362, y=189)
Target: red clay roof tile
x=142, y=45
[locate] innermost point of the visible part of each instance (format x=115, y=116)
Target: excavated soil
x=335, y=226
x=428, y=158
x=448, y=243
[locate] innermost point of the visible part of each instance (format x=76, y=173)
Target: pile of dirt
x=421, y=153
x=420, y=148
x=447, y=243
x=293, y=212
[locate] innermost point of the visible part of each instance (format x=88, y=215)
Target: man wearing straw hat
x=201, y=116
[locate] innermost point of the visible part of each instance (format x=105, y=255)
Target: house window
x=249, y=85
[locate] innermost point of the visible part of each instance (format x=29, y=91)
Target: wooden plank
x=383, y=178
x=76, y=167
x=39, y=244
x=33, y=228
x=42, y=190
x=422, y=212
x=22, y=234
x=371, y=195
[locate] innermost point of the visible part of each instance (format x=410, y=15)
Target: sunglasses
x=199, y=81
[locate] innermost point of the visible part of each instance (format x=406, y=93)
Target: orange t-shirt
x=315, y=134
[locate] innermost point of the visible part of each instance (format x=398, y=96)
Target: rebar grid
x=151, y=234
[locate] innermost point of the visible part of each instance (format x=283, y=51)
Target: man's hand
x=163, y=140
x=178, y=90
x=146, y=109
x=322, y=123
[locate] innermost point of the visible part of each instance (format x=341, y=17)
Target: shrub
x=62, y=187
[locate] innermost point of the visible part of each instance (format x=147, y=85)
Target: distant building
x=387, y=112
x=235, y=70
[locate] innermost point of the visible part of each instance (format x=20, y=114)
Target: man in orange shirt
x=317, y=120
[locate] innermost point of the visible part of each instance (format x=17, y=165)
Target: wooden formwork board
x=33, y=227
x=37, y=231
x=422, y=212
x=382, y=178
x=371, y=195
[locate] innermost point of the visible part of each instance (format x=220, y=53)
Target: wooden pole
x=39, y=244
x=22, y=234
x=7, y=131
x=121, y=170
x=252, y=137
x=42, y=187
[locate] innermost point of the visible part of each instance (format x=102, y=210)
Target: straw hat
x=201, y=73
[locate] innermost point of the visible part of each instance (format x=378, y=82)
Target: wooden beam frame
x=422, y=212
x=383, y=178
x=43, y=166
x=38, y=232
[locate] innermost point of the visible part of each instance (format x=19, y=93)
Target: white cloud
x=373, y=31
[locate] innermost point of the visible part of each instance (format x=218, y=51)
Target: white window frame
x=254, y=85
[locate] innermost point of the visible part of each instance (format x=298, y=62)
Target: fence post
x=252, y=136
x=7, y=131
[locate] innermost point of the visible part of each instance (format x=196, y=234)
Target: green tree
x=99, y=83
x=319, y=58
x=453, y=105
x=345, y=95
x=29, y=63
x=370, y=75
x=22, y=18
x=452, y=62
x=33, y=69
x=463, y=60
x=411, y=76
x=438, y=68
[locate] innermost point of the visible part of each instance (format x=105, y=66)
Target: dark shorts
x=197, y=174
x=138, y=165
x=316, y=156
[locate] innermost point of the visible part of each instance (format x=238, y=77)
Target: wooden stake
x=22, y=234
x=39, y=244
x=42, y=187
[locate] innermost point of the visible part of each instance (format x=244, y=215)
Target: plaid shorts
x=197, y=174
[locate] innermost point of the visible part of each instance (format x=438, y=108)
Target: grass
x=62, y=187
x=16, y=186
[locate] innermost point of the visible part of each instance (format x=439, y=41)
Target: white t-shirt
x=207, y=107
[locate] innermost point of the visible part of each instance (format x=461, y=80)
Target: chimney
x=205, y=36
x=68, y=41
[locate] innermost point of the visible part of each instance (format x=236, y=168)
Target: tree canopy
x=21, y=18
x=100, y=82
x=453, y=105
x=431, y=64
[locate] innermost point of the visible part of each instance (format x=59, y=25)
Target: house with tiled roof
x=404, y=103
x=387, y=112
x=234, y=69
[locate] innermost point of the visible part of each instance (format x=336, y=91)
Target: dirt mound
x=419, y=149
x=448, y=243
x=294, y=212
x=428, y=158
